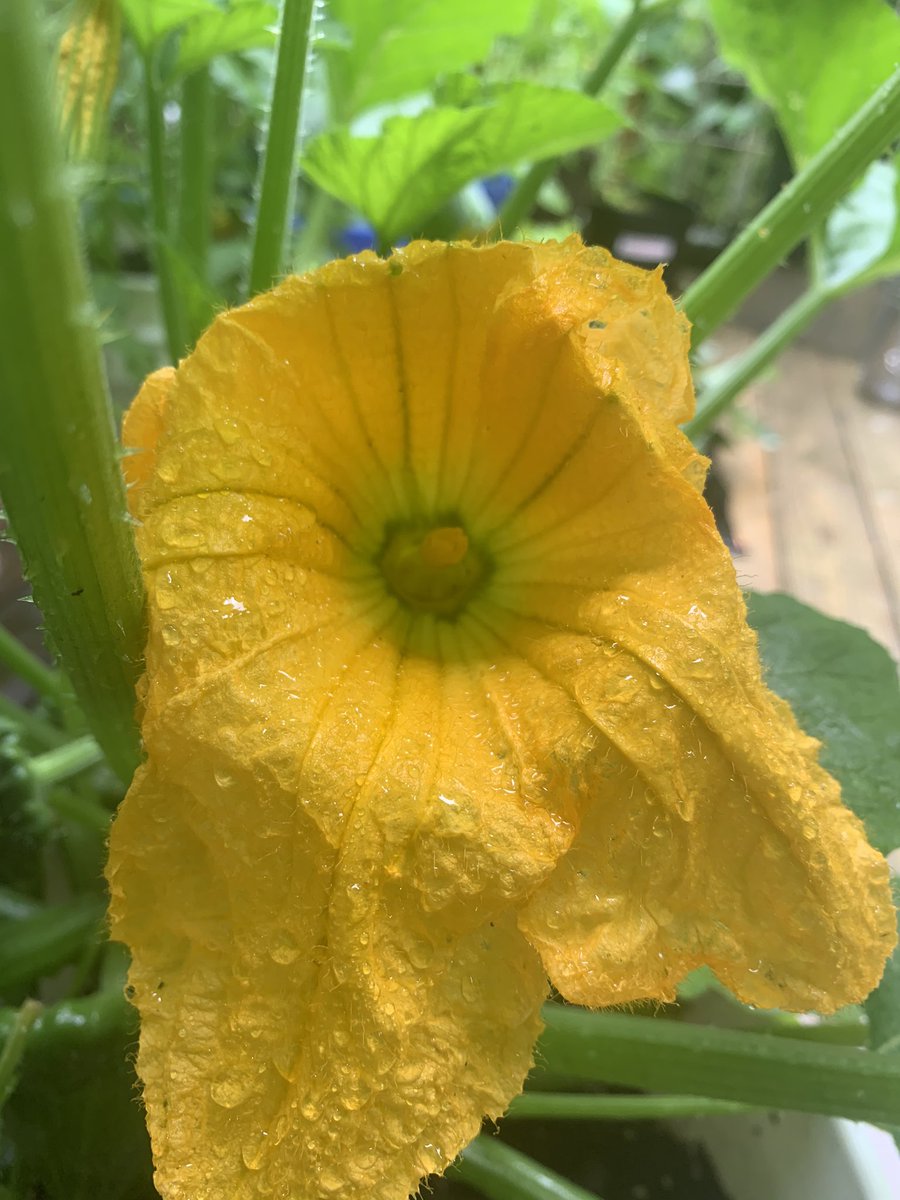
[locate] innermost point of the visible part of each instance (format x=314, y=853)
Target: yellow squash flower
x=86, y=77
x=449, y=689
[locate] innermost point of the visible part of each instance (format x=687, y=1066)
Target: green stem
x=195, y=198
x=170, y=298
x=14, y=1047
x=725, y=382
x=65, y=761
x=576, y=1107
x=521, y=199
x=31, y=727
x=59, y=471
x=29, y=667
x=699, y=1060
x=82, y=810
x=279, y=164
x=502, y=1173
x=801, y=206
x=40, y=944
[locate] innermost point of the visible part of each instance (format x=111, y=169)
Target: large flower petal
x=715, y=838
x=320, y=900
x=711, y=835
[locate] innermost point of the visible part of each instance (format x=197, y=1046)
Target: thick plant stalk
x=562, y=1106
x=727, y=380
x=797, y=210
x=279, y=165
x=59, y=474
x=725, y=1064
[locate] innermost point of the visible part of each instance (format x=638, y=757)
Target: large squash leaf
x=401, y=176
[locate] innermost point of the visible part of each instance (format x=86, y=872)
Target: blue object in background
x=498, y=188
x=357, y=235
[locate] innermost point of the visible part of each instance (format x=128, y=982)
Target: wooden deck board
x=815, y=509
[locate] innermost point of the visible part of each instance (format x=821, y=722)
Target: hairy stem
x=279, y=163
x=798, y=209
x=725, y=382
x=59, y=471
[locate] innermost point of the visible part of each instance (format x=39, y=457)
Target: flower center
x=433, y=570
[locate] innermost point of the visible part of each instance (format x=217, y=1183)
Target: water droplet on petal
x=253, y=1150
x=284, y=950
x=228, y=1093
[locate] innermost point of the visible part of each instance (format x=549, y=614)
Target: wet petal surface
x=448, y=688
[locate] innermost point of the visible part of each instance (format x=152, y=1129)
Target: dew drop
x=285, y=950
x=229, y=431
x=284, y=1063
x=253, y=1150
x=329, y=1182
x=228, y=1093
x=171, y=635
x=421, y=954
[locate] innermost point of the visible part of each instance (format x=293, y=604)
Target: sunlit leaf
x=391, y=48
x=862, y=236
x=243, y=25
x=814, y=61
x=150, y=20
x=398, y=178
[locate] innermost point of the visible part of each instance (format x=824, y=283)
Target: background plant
x=240, y=140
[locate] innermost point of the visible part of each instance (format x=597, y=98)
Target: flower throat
x=432, y=569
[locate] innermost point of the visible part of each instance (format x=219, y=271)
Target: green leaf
x=391, y=48
x=398, y=178
x=151, y=20
x=814, y=61
x=39, y=944
x=241, y=26
x=862, y=235
x=843, y=687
